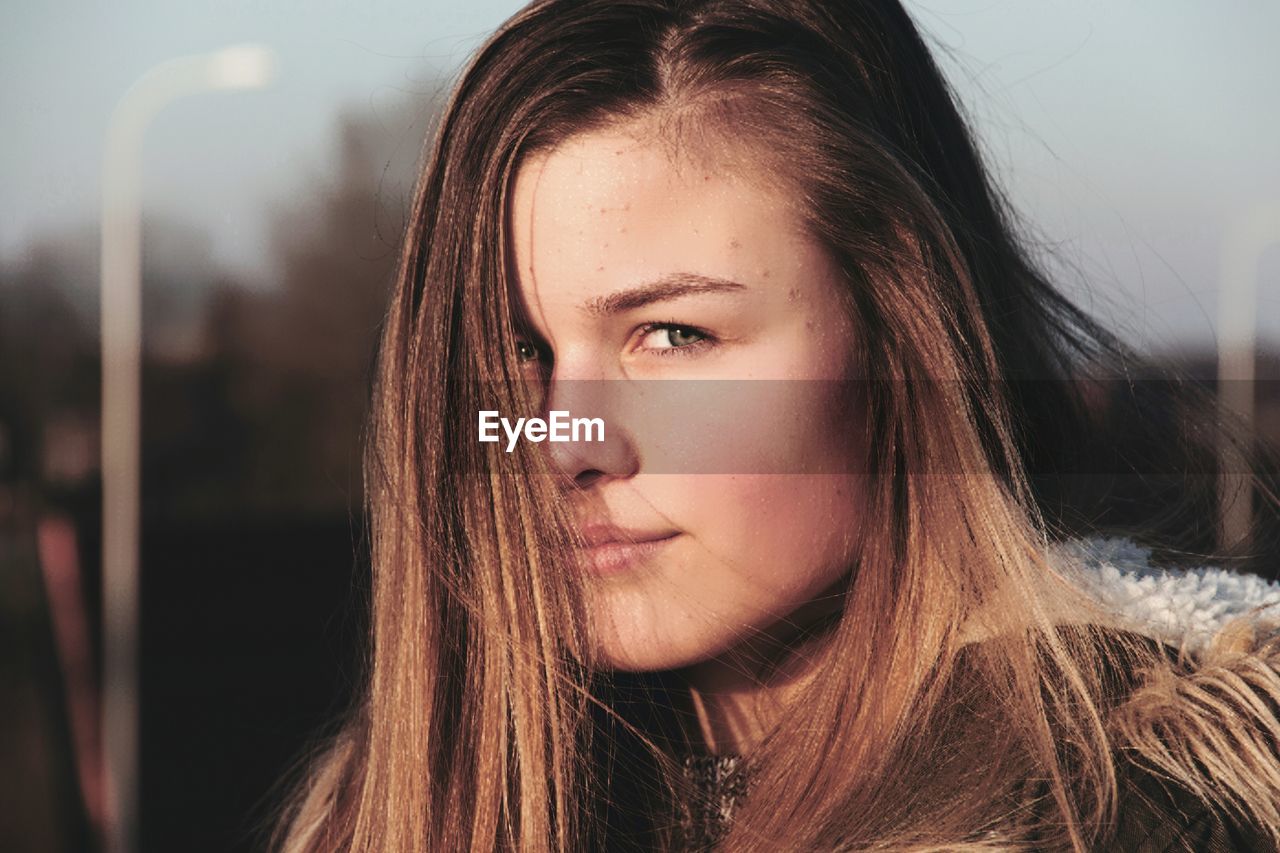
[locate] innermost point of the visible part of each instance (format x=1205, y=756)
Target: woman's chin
x=607, y=657
x=628, y=647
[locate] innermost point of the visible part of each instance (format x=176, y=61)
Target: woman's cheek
x=761, y=542
x=755, y=547
x=725, y=427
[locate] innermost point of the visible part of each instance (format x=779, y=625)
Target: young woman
x=814, y=585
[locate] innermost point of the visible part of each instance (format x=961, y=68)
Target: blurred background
x=1138, y=139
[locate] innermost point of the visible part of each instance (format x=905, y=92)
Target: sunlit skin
x=637, y=264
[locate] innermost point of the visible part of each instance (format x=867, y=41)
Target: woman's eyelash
x=705, y=338
x=528, y=352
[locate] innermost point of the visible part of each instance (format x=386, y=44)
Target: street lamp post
x=1247, y=238
x=238, y=67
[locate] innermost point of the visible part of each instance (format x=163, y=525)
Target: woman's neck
x=737, y=697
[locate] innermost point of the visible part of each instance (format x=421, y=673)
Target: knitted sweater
x=1179, y=608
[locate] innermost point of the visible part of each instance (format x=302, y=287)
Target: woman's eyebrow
x=667, y=287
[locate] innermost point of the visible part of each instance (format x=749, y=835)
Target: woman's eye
x=672, y=336
x=526, y=351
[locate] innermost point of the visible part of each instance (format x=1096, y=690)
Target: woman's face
x=679, y=299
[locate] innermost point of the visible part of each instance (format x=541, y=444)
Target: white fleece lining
x=1173, y=605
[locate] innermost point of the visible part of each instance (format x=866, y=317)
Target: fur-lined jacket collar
x=1182, y=607
x=1215, y=728
x=1210, y=716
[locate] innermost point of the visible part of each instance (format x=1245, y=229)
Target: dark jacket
x=1175, y=611
x=1157, y=816
x=1177, y=608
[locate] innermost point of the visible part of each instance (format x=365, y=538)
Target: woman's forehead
x=609, y=208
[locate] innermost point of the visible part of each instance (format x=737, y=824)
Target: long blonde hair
x=480, y=728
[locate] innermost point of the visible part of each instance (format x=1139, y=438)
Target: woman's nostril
x=585, y=479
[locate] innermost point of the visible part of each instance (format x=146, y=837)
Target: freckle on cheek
x=793, y=294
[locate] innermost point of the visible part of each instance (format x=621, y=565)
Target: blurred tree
x=296, y=359
x=48, y=359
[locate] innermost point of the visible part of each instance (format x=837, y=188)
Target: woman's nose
x=591, y=455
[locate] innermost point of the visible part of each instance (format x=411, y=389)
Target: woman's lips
x=612, y=552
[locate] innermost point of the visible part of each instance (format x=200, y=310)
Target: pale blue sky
x=1131, y=132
